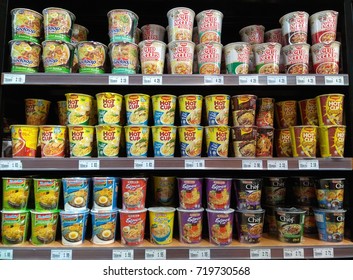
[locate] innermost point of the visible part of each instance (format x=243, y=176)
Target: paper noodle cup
x=209, y=24
x=161, y=224
x=237, y=56
x=332, y=140
x=209, y=56
x=15, y=193
x=267, y=56
x=164, y=189
x=81, y=140
x=181, y=23
x=217, y=140
x=290, y=224
x=264, y=141
x=58, y=24
x=217, y=109
x=44, y=225
x=76, y=193
x=190, y=109
x=190, y=139
x=104, y=226
x=286, y=113
x=244, y=140
x=275, y=189
x=134, y=193
x=136, y=138
x=330, y=109
x=152, y=55
x=122, y=25
x=57, y=56
x=46, y=193
x=190, y=225
x=109, y=106
x=73, y=227
x=14, y=227
x=79, y=33
x=163, y=109
x=24, y=140
x=105, y=193
x=62, y=112
x=26, y=25
x=294, y=27
x=181, y=55
x=37, y=111
x=137, y=108
x=79, y=107
x=218, y=193
x=330, y=193
x=330, y=224
x=296, y=58
x=164, y=140
x=220, y=226
x=308, y=111
x=132, y=226
x=52, y=140
x=190, y=193
x=274, y=35
x=323, y=26
x=253, y=34
x=248, y=193
x=303, y=140
x=250, y=225
x=282, y=142
x=108, y=140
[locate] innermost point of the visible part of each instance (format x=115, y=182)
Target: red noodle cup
x=134, y=193
x=326, y=57
x=132, y=226
x=81, y=140
x=217, y=109
x=153, y=32
x=190, y=193
x=181, y=55
x=190, y=109
x=217, y=140
x=248, y=193
x=122, y=25
x=266, y=112
x=152, y=54
x=190, y=139
x=253, y=34
x=286, y=113
x=237, y=56
x=296, y=58
x=303, y=191
x=264, y=142
x=209, y=57
x=290, y=224
x=109, y=106
x=330, y=193
x=24, y=56
x=295, y=27
x=57, y=56
x=108, y=137
x=250, y=225
x=209, y=25
x=274, y=36
x=79, y=107
x=267, y=56
x=330, y=109
x=218, y=192
x=282, y=142
x=180, y=22
x=137, y=108
x=308, y=111
x=79, y=33
x=275, y=189
x=330, y=224
x=26, y=25
x=190, y=225
x=52, y=140
x=91, y=57
x=123, y=57
x=303, y=140
x=220, y=226
x=332, y=140
x=323, y=26
x=24, y=140
x=37, y=111
x=244, y=141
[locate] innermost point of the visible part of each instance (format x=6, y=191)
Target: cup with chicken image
x=46, y=193
x=217, y=140
x=37, y=111
x=81, y=140
x=163, y=106
x=57, y=56
x=108, y=140
x=78, y=106
x=303, y=140
x=123, y=57
x=181, y=56
x=24, y=140
x=152, y=56
x=217, y=109
x=26, y=25
x=14, y=227
x=164, y=140
x=15, y=193
x=109, y=105
x=136, y=137
x=190, y=109
x=137, y=108
x=161, y=224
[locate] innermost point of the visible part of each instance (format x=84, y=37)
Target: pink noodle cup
x=294, y=27
x=152, y=55
x=323, y=26
x=190, y=225
x=267, y=57
x=296, y=58
x=220, y=226
x=326, y=57
x=132, y=226
x=209, y=25
x=181, y=22
x=181, y=55
x=153, y=32
x=253, y=34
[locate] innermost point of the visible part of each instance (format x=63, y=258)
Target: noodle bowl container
x=46, y=194
x=218, y=192
x=73, y=227
x=250, y=225
x=105, y=193
x=76, y=193
x=244, y=140
x=136, y=137
x=266, y=111
x=296, y=58
x=123, y=57
x=26, y=25
x=25, y=56
x=190, y=193
x=104, y=226
x=303, y=191
x=253, y=34
x=79, y=107
x=275, y=189
x=52, y=140
x=24, y=140
x=220, y=226
x=209, y=57
x=290, y=224
x=14, y=226
x=57, y=56
x=303, y=140
x=248, y=193
x=308, y=111
x=91, y=57
x=264, y=142
x=282, y=142
x=190, y=225
x=44, y=225
x=133, y=193
x=164, y=189
x=122, y=25
x=161, y=224
x=132, y=226
x=286, y=113
x=330, y=224
x=15, y=193
x=190, y=140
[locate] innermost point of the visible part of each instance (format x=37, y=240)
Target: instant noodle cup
x=250, y=225
x=73, y=227
x=243, y=109
x=253, y=34
x=136, y=137
x=252, y=64
x=296, y=58
x=132, y=226
x=283, y=143
x=52, y=140
x=330, y=109
x=161, y=224
x=267, y=56
x=181, y=56
x=330, y=193
x=81, y=140
x=217, y=140
x=169, y=35
x=24, y=56
x=218, y=191
x=78, y=107
x=123, y=57
x=79, y=33
x=37, y=111
x=190, y=193
x=190, y=139
x=264, y=141
x=294, y=27
x=209, y=57
x=153, y=32
x=308, y=111
x=108, y=140
x=181, y=23
x=164, y=190
x=303, y=140
x=26, y=25
x=209, y=26
x=152, y=56
x=44, y=225
x=220, y=226
x=248, y=193
x=46, y=193
x=275, y=189
x=15, y=193
x=24, y=140
x=217, y=109
x=332, y=140
x=274, y=36
x=290, y=224
x=14, y=227
x=266, y=111
x=244, y=141
x=134, y=193
x=303, y=191
x=190, y=109
x=58, y=24
x=137, y=108
x=323, y=26
x=91, y=57
x=286, y=113
x=164, y=140
x=122, y=25
x=190, y=225
x=109, y=106
x=57, y=56
x=163, y=109
x=330, y=224
x=326, y=57
x=76, y=193
x=237, y=56
x=104, y=226
x=105, y=193
x=62, y=112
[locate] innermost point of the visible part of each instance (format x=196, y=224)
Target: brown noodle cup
x=152, y=55
x=122, y=25
x=308, y=111
x=153, y=32
x=253, y=34
x=326, y=57
x=296, y=58
x=181, y=55
x=52, y=140
x=79, y=33
x=267, y=56
x=323, y=26
x=250, y=225
x=209, y=56
x=243, y=117
x=332, y=140
x=303, y=191
x=286, y=113
x=217, y=140
x=209, y=25
x=24, y=56
x=274, y=189
x=57, y=56
x=264, y=142
x=180, y=22
x=274, y=36
x=283, y=143
x=37, y=111
x=295, y=27
x=26, y=25
x=243, y=109
x=91, y=57
x=244, y=141
x=236, y=57
x=266, y=111
x=303, y=140
x=123, y=57
x=330, y=109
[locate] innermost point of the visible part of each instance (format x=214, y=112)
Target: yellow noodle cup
x=79, y=108
x=109, y=107
x=217, y=109
x=81, y=140
x=163, y=109
x=190, y=109
x=217, y=140
x=137, y=108
x=164, y=140
x=108, y=140
x=24, y=140
x=37, y=111
x=161, y=224
x=332, y=140
x=136, y=137
x=62, y=112
x=190, y=138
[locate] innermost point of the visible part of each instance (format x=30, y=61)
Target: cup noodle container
x=330, y=109
x=163, y=106
x=326, y=57
x=15, y=193
x=303, y=191
x=164, y=140
x=181, y=56
x=152, y=56
x=332, y=140
x=91, y=57
x=62, y=112
x=190, y=109
x=286, y=113
x=264, y=141
x=81, y=140
x=275, y=189
x=20, y=49
x=253, y=34
x=217, y=140
x=283, y=143
x=209, y=57
x=330, y=224
x=44, y=225
x=250, y=225
x=132, y=226
x=237, y=56
x=252, y=63
x=303, y=140
x=104, y=226
x=46, y=193
x=190, y=193
x=267, y=56
x=164, y=190
x=14, y=227
x=136, y=137
x=153, y=32
x=294, y=27
x=57, y=56
x=133, y=193
x=190, y=140
x=26, y=25
x=220, y=226
x=308, y=111
x=266, y=111
x=108, y=139
x=190, y=225
x=76, y=193
x=296, y=58
x=79, y=107
x=244, y=141
x=181, y=23
x=248, y=193
x=73, y=227
x=209, y=25
x=53, y=139
x=24, y=140
x=323, y=26
x=37, y=111
x=274, y=36
x=105, y=193
x=123, y=57
x=218, y=192
x=217, y=109
x=137, y=108
x=122, y=25
x=290, y=224
x=109, y=106
x=79, y=33
x=330, y=193
x=243, y=109
x=161, y=225
x=169, y=34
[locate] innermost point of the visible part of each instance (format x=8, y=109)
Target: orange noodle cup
x=253, y=34
x=58, y=24
x=133, y=193
x=330, y=224
x=217, y=140
x=79, y=107
x=24, y=140
x=286, y=113
x=181, y=23
x=122, y=25
x=44, y=225
x=161, y=224
x=209, y=25
x=57, y=56
x=52, y=140
x=108, y=140
x=264, y=142
x=26, y=25
x=282, y=143
x=274, y=36
x=296, y=58
x=152, y=56
x=308, y=112
x=267, y=56
x=290, y=224
x=164, y=140
x=330, y=109
x=163, y=109
x=266, y=111
x=190, y=109
x=237, y=56
x=37, y=111
x=79, y=33
x=220, y=226
x=303, y=140
x=190, y=225
x=104, y=226
x=181, y=55
x=109, y=106
x=323, y=26
x=217, y=109
x=332, y=140
x=153, y=32
x=24, y=56
x=132, y=226
x=15, y=193
x=91, y=57
x=326, y=57
x=250, y=225
x=244, y=141
x=123, y=57
x=190, y=139
x=136, y=137
x=137, y=108
x=190, y=193
x=81, y=140
x=73, y=227
x=209, y=57
x=294, y=27
x=46, y=193
x=14, y=227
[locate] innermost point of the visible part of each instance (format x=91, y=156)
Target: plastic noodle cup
x=73, y=227
x=330, y=109
x=58, y=24
x=243, y=109
x=267, y=56
x=190, y=193
x=108, y=140
x=105, y=193
x=137, y=108
x=248, y=193
x=253, y=34
x=15, y=193
x=275, y=189
x=217, y=140
x=209, y=26
x=190, y=225
x=104, y=226
x=91, y=57
x=250, y=225
x=152, y=56
x=308, y=111
x=79, y=33
x=283, y=143
x=264, y=142
x=294, y=27
x=46, y=194
x=190, y=139
x=153, y=32
x=37, y=111
x=303, y=191
x=274, y=36
x=190, y=109
x=78, y=107
x=57, y=56
x=296, y=58
x=26, y=25
x=330, y=193
x=161, y=224
x=76, y=193
x=14, y=227
x=132, y=226
x=326, y=57
x=209, y=56
x=181, y=55
x=330, y=224
x=286, y=113
x=303, y=140
x=52, y=140
x=218, y=192
x=24, y=140
x=266, y=111
x=62, y=112
x=123, y=57
x=81, y=140
x=163, y=109
x=169, y=34
x=220, y=226
x=25, y=56
x=164, y=190
x=217, y=109
x=332, y=140
x=290, y=224
x=164, y=140
x=181, y=23
x=122, y=25
x=252, y=64
x=133, y=193
x=323, y=26
x=136, y=137
x=237, y=56
x=244, y=140
x=44, y=225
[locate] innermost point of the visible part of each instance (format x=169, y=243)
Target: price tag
x=213, y=80
x=123, y=254
x=260, y=254
x=61, y=255
x=194, y=164
x=323, y=253
x=293, y=253
x=277, y=80
x=6, y=254
x=88, y=164
x=306, y=80
x=199, y=254
x=277, y=164
x=118, y=80
x=248, y=80
x=14, y=79
x=251, y=164
x=152, y=80
x=143, y=164
x=10, y=165
x=334, y=80
x=155, y=254
x=308, y=164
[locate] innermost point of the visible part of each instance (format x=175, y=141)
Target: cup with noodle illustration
x=282, y=143
x=266, y=111
x=73, y=227
x=303, y=140
x=267, y=56
x=91, y=57
x=190, y=193
x=190, y=139
x=244, y=140
x=237, y=56
x=190, y=109
x=52, y=140
x=24, y=140
x=108, y=140
x=104, y=226
x=181, y=23
x=44, y=225
x=15, y=193
x=250, y=225
x=274, y=35
x=220, y=226
x=286, y=113
x=79, y=107
x=217, y=140
x=326, y=57
x=164, y=140
x=294, y=27
x=248, y=193
x=217, y=109
x=243, y=109
x=14, y=221
x=136, y=137
x=253, y=34
x=79, y=33
x=81, y=140
x=290, y=224
x=46, y=193
x=26, y=25
x=332, y=140
x=209, y=57
x=62, y=112
x=296, y=58
x=275, y=189
x=161, y=224
x=122, y=25
x=20, y=49
x=195, y=35
x=152, y=55
x=308, y=111
x=218, y=193
x=37, y=111
x=209, y=25
x=76, y=193
x=109, y=107
x=303, y=190
x=264, y=141
x=105, y=192
x=190, y=225
x=330, y=224
x=132, y=226
x=137, y=36
x=134, y=193
x=123, y=57
x=57, y=56
x=163, y=109
x=137, y=108
x=181, y=56
x=330, y=193
x=153, y=32
x=323, y=26
x=330, y=109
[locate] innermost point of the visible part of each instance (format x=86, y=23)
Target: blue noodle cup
x=104, y=226
x=73, y=227
x=76, y=193
x=105, y=193
x=330, y=224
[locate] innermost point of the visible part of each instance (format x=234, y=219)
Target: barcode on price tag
x=323, y=253
x=152, y=80
x=277, y=164
x=127, y=254
x=306, y=80
x=155, y=254
x=118, y=80
x=251, y=164
x=88, y=164
x=199, y=254
x=143, y=164
x=276, y=80
x=194, y=164
x=334, y=80
x=308, y=164
x=248, y=80
x=213, y=80
x=10, y=165
x=14, y=79
x=260, y=254
x=6, y=254
x=61, y=254
x=293, y=253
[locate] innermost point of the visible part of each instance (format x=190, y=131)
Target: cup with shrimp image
x=220, y=226
x=132, y=226
x=190, y=225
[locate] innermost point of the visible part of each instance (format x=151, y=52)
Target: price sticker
x=277, y=164
x=308, y=164
x=306, y=80
x=323, y=253
x=88, y=164
x=14, y=79
x=334, y=80
x=251, y=164
x=277, y=80
x=152, y=80
x=10, y=165
x=123, y=254
x=194, y=164
x=6, y=254
x=213, y=80
x=61, y=254
x=248, y=80
x=143, y=164
x=155, y=254
x=293, y=253
x=260, y=254
x=118, y=80
x=199, y=254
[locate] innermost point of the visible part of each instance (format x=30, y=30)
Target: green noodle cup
x=91, y=57
x=14, y=227
x=122, y=25
x=26, y=25
x=15, y=193
x=290, y=224
x=24, y=56
x=44, y=226
x=46, y=194
x=57, y=56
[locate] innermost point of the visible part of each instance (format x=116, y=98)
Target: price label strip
x=306, y=80
x=276, y=80
x=127, y=254
x=152, y=80
x=118, y=80
x=323, y=253
x=6, y=254
x=308, y=164
x=251, y=164
x=293, y=253
x=277, y=164
x=88, y=164
x=213, y=80
x=194, y=164
x=260, y=254
x=248, y=80
x=334, y=80
x=199, y=254
x=14, y=79
x=143, y=164
x=10, y=165
x=61, y=254
x=155, y=254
